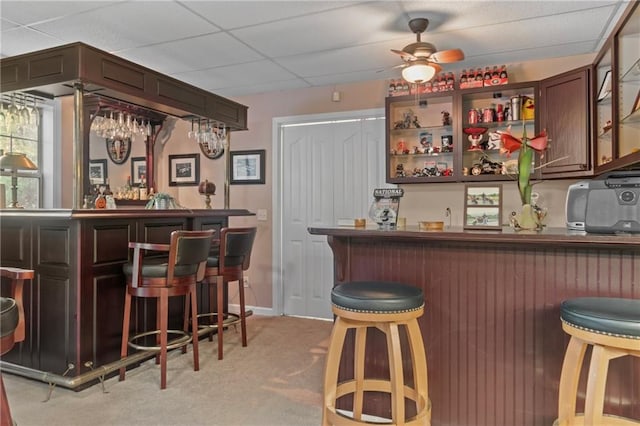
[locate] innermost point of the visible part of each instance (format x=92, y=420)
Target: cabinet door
x=420, y=139
x=487, y=112
x=628, y=87
x=603, y=146
x=564, y=113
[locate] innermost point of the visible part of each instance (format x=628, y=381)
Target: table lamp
x=207, y=189
x=14, y=161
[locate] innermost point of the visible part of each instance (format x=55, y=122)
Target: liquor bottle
x=463, y=76
x=503, y=71
x=143, y=188
x=487, y=74
x=392, y=87
x=478, y=74
x=450, y=81
x=495, y=73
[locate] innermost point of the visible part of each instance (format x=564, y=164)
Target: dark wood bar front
x=74, y=305
x=492, y=327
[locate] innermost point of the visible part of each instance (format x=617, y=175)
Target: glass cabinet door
x=628, y=45
x=604, y=110
x=420, y=139
x=484, y=115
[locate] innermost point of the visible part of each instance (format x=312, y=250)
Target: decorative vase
x=531, y=218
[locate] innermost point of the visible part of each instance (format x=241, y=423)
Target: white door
x=329, y=171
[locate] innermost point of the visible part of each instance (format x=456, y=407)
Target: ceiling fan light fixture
x=418, y=72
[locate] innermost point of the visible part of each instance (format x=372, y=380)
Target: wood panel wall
x=492, y=327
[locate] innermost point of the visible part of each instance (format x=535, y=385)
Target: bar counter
x=492, y=327
x=74, y=306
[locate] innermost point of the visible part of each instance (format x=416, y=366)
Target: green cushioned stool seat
x=387, y=307
x=377, y=296
x=608, y=315
x=9, y=315
x=611, y=327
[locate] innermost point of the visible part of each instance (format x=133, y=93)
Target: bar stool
x=385, y=306
x=233, y=258
x=12, y=326
x=162, y=278
x=612, y=327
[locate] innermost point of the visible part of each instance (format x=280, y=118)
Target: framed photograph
x=247, y=167
x=138, y=170
x=98, y=172
x=184, y=169
x=483, y=206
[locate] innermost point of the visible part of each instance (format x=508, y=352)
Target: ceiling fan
x=421, y=59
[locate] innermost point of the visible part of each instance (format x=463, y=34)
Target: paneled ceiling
x=236, y=48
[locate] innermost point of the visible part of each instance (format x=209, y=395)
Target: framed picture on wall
x=248, y=167
x=98, y=172
x=138, y=170
x=483, y=206
x=184, y=169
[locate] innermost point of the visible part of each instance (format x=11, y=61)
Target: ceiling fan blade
x=446, y=56
x=405, y=55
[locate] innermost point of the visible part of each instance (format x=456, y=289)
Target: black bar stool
x=386, y=306
x=612, y=327
x=161, y=278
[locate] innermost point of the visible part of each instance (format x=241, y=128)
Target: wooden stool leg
x=125, y=331
x=358, y=371
x=163, y=315
x=194, y=320
x=419, y=364
x=185, y=326
x=569, y=378
x=243, y=317
x=5, y=413
x=594, y=402
x=336, y=343
x=220, y=316
x=396, y=375
x=211, y=306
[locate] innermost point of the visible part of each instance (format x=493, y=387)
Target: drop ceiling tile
x=127, y=25
x=31, y=12
x=22, y=40
x=196, y=53
x=274, y=86
x=236, y=14
x=328, y=30
x=340, y=61
x=236, y=75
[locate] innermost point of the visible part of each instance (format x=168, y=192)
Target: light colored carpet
x=275, y=380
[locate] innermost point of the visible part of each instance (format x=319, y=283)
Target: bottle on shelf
x=478, y=74
x=143, y=188
x=487, y=74
x=503, y=71
x=463, y=76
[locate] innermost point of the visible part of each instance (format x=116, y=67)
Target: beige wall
x=421, y=201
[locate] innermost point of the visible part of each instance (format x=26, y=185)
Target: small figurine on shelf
x=475, y=137
x=446, y=118
x=415, y=122
x=400, y=170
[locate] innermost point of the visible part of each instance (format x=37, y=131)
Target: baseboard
x=257, y=310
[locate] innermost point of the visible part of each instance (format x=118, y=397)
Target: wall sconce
x=15, y=161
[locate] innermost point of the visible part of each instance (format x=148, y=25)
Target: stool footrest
x=230, y=319
x=611, y=420
x=172, y=344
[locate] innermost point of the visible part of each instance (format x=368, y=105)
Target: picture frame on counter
x=247, y=167
x=483, y=206
x=138, y=170
x=184, y=170
x=98, y=172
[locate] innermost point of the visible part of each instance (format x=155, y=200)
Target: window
x=24, y=138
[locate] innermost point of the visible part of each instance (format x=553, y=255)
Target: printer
x=607, y=204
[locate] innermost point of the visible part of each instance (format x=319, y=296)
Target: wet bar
x=491, y=326
x=74, y=306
